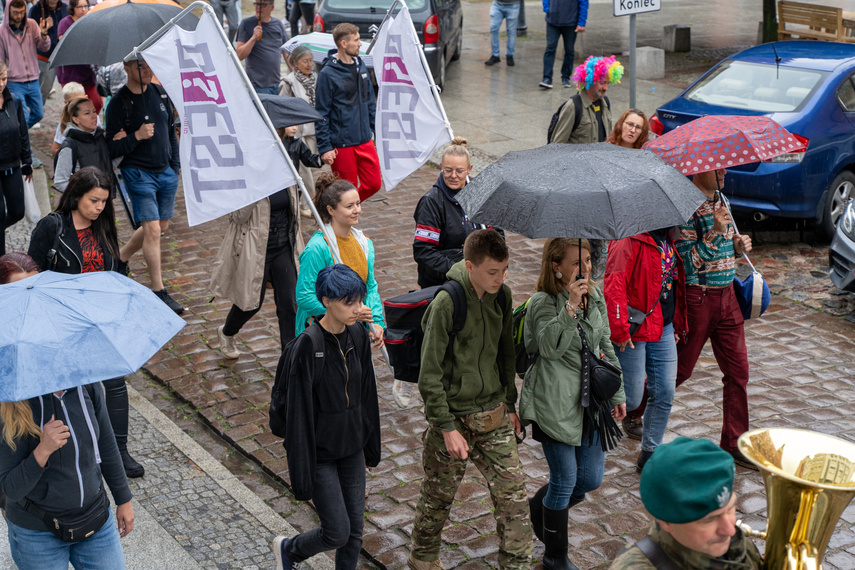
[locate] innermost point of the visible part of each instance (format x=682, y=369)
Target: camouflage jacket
x=742, y=555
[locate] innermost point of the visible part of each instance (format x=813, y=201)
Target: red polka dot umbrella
x=723, y=141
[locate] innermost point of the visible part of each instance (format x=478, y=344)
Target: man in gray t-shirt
x=259, y=38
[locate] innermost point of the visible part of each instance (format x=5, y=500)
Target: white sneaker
x=228, y=346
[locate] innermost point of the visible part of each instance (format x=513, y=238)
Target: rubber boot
x=535, y=507
x=555, y=539
x=116, y=399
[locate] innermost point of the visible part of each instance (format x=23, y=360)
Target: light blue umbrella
x=62, y=331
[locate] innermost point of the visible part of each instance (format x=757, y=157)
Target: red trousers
x=360, y=166
x=714, y=314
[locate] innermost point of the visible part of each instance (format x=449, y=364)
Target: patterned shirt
x=709, y=259
x=93, y=255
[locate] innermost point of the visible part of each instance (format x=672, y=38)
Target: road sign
x=630, y=7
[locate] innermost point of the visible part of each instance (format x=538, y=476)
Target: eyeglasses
x=82, y=7
x=18, y=12
x=633, y=126
x=458, y=172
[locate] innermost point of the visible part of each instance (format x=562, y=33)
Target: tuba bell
x=809, y=479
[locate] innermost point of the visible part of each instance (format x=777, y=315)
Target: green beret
x=687, y=479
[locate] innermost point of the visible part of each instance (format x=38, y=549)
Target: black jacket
x=14, y=138
x=70, y=482
x=89, y=149
x=335, y=417
x=299, y=152
x=69, y=255
x=129, y=111
x=441, y=229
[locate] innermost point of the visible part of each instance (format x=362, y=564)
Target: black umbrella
x=106, y=36
x=288, y=111
x=599, y=191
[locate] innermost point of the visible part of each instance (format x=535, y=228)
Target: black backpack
x=279, y=394
x=577, y=115
x=404, y=334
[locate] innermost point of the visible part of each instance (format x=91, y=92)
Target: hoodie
x=70, y=481
x=345, y=97
x=14, y=137
x=19, y=53
x=469, y=380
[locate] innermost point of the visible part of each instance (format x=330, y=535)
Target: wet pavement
x=802, y=358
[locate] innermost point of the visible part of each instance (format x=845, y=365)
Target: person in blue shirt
x=564, y=19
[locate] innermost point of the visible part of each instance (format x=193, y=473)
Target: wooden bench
x=797, y=20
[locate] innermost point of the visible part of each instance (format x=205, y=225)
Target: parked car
x=841, y=254
x=809, y=88
x=439, y=25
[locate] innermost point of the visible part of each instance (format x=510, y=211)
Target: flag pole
x=206, y=9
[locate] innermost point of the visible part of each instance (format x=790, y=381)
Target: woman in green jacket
x=550, y=399
x=338, y=204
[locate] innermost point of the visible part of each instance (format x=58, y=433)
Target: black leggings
x=116, y=398
x=279, y=268
x=11, y=202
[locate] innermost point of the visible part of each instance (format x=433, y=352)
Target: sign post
x=631, y=8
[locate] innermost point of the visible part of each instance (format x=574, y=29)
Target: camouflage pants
x=495, y=455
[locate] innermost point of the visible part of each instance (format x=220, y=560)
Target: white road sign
x=629, y=7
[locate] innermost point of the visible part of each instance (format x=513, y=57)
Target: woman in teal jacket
x=338, y=204
x=551, y=400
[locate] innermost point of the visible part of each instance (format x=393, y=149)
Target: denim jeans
x=339, y=497
x=573, y=471
x=41, y=550
x=658, y=362
x=553, y=33
x=274, y=90
x=510, y=13
x=31, y=95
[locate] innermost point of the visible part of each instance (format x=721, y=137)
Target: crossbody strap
x=655, y=554
x=586, y=369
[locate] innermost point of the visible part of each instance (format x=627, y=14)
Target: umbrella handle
x=735, y=229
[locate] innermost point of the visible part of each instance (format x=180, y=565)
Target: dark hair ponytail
x=328, y=191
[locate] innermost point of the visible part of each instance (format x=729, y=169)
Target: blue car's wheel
x=841, y=191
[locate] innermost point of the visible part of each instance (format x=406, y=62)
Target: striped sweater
x=709, y=259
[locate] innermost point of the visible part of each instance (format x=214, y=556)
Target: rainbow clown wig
x=598, y=70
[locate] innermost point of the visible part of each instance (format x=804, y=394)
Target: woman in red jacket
x=645, y=282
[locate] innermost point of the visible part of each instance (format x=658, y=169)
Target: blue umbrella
x=62, y=331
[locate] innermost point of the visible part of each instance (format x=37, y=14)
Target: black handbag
x=76, y=527
x=600, y=382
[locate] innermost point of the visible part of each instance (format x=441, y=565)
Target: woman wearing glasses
x=441, y=223
x=631, y=130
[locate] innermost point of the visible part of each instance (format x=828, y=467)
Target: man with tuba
x=687, y=485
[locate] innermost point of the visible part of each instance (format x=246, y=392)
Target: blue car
x=809, y=88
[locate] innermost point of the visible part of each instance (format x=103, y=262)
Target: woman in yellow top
x=338, y=204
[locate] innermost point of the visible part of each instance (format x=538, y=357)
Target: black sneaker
x=494, y=59
x=545, y=84
x=510, y=60
x=643, y=456
x=170, y=302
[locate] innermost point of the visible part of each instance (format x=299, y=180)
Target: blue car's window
x=380, y=5
x=846, y=93
x=757, y=87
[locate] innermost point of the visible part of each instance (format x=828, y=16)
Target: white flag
x=408, y=125
x=229, y=158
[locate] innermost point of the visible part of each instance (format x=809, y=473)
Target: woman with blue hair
x=333, y=421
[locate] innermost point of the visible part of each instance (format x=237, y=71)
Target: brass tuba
x=810, y=479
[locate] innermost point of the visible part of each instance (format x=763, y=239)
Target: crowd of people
x=328, y=302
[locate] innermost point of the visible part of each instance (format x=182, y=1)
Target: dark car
x=809, y=88
x=841, y=254
x=439, y=25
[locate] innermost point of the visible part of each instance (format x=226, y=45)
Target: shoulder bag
x=600, y=382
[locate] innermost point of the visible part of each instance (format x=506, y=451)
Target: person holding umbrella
x=645, y=279
x=82, y=74
x=338, y=204
x=80, y=237
x=16, y=159
x=551, y=396
x=261, y=244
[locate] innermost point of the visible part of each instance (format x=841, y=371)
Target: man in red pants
x=709, y=247
x=345, y=97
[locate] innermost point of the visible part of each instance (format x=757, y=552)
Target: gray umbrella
x=599, y=191
x=106, y=36
x=289, y=111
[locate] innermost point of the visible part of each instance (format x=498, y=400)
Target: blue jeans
x=658, y=361
x=552, y=35
x=30, y=94
x=573, y=471
x=267, y=90
x=339, y=497
x=152, y=194
x=41, y=550
x=510, y=13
